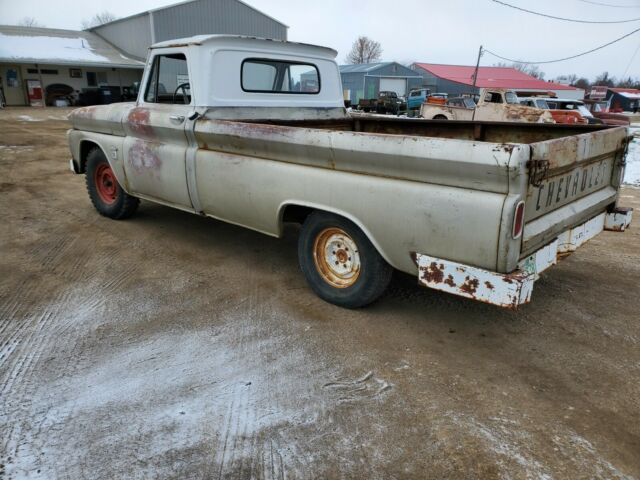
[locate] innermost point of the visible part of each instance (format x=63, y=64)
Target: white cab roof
x=248, y=42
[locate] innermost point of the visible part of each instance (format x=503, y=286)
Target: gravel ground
x=174, y=346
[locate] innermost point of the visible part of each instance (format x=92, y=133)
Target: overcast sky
x=418, y=30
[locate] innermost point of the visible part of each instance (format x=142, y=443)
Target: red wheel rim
x=106, y=184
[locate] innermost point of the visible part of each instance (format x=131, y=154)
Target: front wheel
x=339, y=262
x=105, y=192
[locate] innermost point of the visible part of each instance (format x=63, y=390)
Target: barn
x=458, y=79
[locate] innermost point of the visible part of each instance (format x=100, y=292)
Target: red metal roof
x=491, y=77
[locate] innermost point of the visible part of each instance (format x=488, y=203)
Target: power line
x=631, y=61
x=609, y=4
x=566, y=58
x=562, y=18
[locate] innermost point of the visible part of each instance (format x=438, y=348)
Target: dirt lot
x=174, y=346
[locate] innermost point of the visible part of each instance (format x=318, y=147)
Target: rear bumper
x=513, y=289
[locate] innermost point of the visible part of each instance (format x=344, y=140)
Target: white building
x=98, y=64
x=82, y=61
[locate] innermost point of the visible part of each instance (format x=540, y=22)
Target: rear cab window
x=264, y=75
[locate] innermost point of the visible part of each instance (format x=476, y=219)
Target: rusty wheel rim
x=106, y=184
x=336, y=257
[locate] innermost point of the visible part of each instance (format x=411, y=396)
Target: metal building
x=366, y=80
x=623, y=99
x=458, y=79
x=98, y=65
x=133, y=35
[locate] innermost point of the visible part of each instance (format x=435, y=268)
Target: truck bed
x=496, y=158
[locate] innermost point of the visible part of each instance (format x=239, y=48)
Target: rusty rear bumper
x=513, y=289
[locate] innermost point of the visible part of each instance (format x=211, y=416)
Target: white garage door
x=398, y=85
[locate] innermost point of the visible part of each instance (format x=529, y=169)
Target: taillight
x=518, y=220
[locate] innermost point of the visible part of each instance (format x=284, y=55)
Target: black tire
x=374, y=273
x=121, y=205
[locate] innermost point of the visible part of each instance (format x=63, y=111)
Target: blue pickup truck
x=417, y=97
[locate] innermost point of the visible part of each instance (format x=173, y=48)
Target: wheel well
x=85, y=147
x=296, y=213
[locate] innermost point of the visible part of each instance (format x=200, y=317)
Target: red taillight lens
x=518, y=220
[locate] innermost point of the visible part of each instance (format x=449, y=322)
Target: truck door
x=491, y=108
x=156, y=142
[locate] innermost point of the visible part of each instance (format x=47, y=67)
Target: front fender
x=110, y=145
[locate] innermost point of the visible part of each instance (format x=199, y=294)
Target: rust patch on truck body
x=138, y=120
x=144, y=157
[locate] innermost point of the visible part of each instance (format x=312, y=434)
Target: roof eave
x=39, y=61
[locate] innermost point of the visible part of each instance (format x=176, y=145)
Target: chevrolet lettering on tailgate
x=562, y=189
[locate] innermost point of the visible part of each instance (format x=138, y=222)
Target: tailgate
x=571, y=179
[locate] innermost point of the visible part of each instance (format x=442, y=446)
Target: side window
x=493, y=97
x=169, y=80
x=279, y=76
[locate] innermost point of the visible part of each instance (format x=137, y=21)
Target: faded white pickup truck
x=254, y=132
x=494, y=105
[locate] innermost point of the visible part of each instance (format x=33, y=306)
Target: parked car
x=478, y=209
x=560, y=116
x=600, y=109
x=496, y=105
x=573, y=106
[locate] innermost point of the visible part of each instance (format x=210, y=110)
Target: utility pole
x=475, y=73
x=475, y=79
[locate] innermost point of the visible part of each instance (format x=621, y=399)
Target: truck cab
x=417, y=97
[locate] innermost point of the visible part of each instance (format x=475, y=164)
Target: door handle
x=176, y=118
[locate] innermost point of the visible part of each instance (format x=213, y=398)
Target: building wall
x=118, y=77
x=359, y=85
x=132, y=35
x=214, y=17
x=454, y=89
x=353, y=86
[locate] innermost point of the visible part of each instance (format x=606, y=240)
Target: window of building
x=75, y=73
x=102, y=78
x=32, y=70
x=169, y=80
x=92, y=79
x=277, y=76
x=48, y=71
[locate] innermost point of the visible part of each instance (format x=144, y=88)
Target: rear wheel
x=339, y=262
x=105, y=192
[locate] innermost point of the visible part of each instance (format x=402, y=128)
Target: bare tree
x=582, y=83
x=527, y=68
x=98, y=19
x=604, y=79
x=364, y=50
x=568, y=79
x=533, y=70
x=30, y=22
x=628, y=83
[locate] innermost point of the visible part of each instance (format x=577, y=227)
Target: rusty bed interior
x=495, y=132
